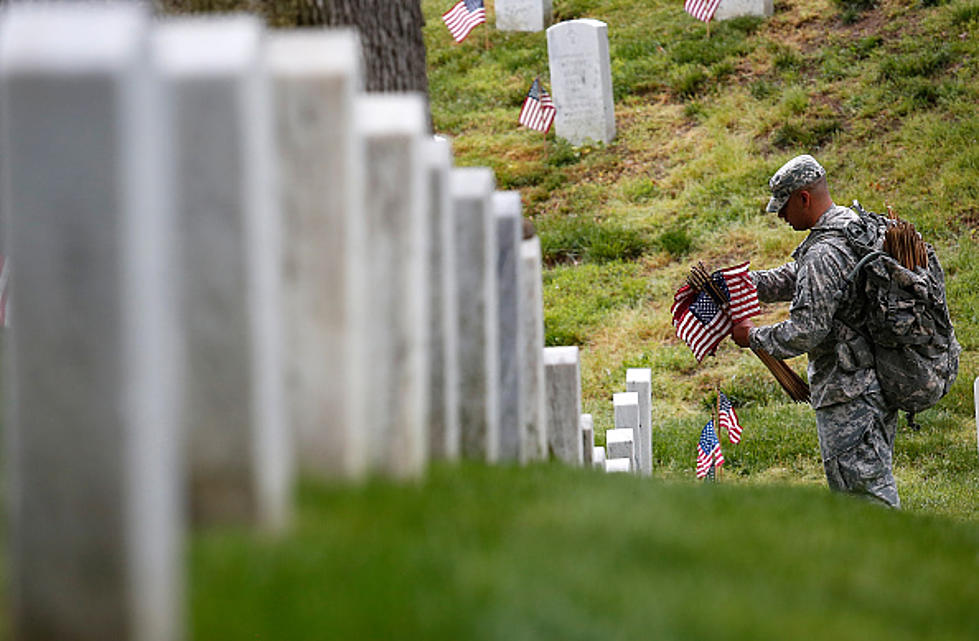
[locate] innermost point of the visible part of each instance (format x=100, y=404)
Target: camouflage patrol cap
x=793, y=175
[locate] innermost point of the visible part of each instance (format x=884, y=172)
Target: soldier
x=856, y=427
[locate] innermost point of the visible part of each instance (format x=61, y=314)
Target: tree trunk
x=390, y=30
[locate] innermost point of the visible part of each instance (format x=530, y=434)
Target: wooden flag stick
x=717, y=430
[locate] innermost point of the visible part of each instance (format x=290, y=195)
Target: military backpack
x=904, y=316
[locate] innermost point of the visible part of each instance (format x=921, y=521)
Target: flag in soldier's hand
x=463, y=17
x=728, y=419
x=702, y=10
x=701, y=322
x=538, y=110
x=709, y=453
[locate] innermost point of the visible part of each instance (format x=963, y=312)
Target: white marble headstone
x=620, y=443
x=316, y=77
x=229, y=236
x=509, y=224
x=581, y=81
x=563, y=374
x=523, y=15
x=587, y=438
x=94, y=542
x=444, y=436
x=598, y=457
x=472, y=196
x=618, y=465
x=639, y=380
x=533, y=387
x=396, y=211
x=728, y=9
x=626, y=406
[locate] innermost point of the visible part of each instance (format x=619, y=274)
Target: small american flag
x=702, y=10
x=728, y=419
x=709, y=453
x=701, y=323
x=538, y=110
x=463, y=17
x=4, y=290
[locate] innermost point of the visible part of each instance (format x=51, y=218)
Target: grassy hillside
x=885, y=98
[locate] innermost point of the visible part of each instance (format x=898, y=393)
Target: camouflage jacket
x=841, y=362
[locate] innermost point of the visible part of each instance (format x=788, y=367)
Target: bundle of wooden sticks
x=797, y=389
x=903, y=243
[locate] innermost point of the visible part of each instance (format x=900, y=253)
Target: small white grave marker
x=581, y=81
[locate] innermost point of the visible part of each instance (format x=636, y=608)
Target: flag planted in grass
x=702, y=322
x=464, y=17
x=728, y=419
x=538, y=109
x=702, y=10
x=709, y=453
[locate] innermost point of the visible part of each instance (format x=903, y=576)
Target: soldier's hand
x=739, y=333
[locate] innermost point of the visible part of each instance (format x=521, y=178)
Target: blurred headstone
x=598, y=457
x=238, y=446
x=639, y=380
x=92, y=445
x=394, y=127
x=563, y=375
x=444, y=428
x=587, y=439
x=626, y=406
x=316, y=76
x=509, y=225
x=618, y=465
x=472, y=197
x=523, y=15
x=737, y=8
x=620, y=443
x=581, y=81
x=532, y=384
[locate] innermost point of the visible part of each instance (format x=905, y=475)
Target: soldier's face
x=795, y=210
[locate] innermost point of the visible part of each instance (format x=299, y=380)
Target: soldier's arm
x=818, y=280
x=776, y=284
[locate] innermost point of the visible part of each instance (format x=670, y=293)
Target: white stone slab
x=581, y=81
x=618, y=465
x=533, y=386
x=626, y=406
x=639, y=380
x=239, y=448
x=620, y=443
x=523, y=15
x=509, y=231
x=396, y=212
x=736, y=8
x=94, y=545
x=444, y=436
x=472, y=196
x=316, y=76
x=563, y=375
x=598, y=457
x=587, y=438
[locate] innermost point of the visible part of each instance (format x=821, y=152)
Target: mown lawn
x=548, y=552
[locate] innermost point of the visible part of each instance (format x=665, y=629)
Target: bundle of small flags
x=709, y=455
x=701, y=322
x=702, y=10
x=538, y=110
x=464, y=17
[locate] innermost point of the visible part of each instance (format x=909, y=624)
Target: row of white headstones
x=233, y=266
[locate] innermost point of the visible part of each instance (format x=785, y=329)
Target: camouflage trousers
x=857, y=443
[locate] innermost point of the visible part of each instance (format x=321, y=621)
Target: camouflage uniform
x=856, y=428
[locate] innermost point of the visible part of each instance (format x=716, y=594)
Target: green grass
x=547, y=552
